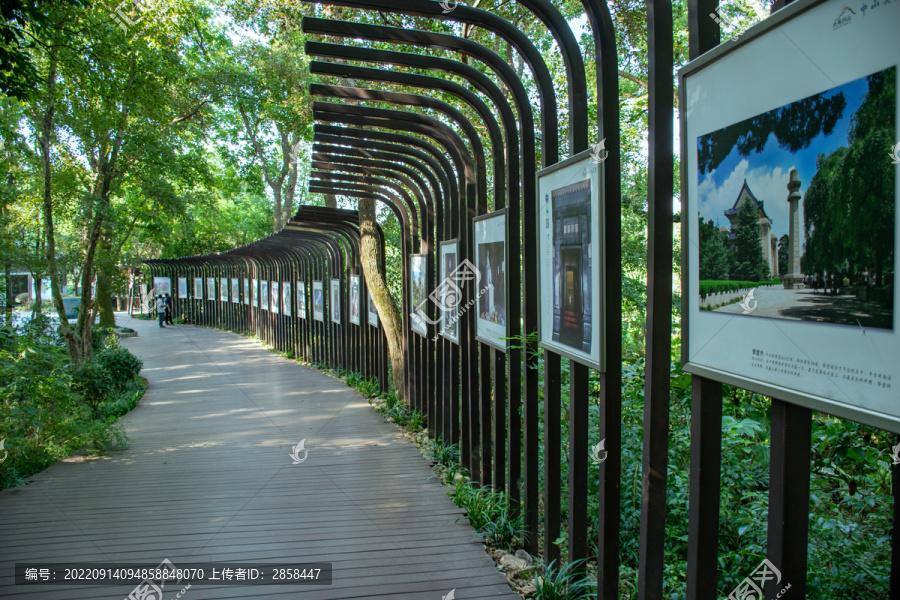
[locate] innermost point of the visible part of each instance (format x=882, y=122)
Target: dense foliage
x=49, y=409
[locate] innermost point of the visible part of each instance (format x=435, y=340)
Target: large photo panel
x=790, y=185
x=335, y=301
x=318, y=292
x=418, y=278
x=490, y=260
x=355, y=294
x=450, y=292
x=570, y=245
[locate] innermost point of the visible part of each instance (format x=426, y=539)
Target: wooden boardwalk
x=209, y=477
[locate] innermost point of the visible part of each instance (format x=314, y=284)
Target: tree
x=714, y=259
x=784, y=253
x=749, y=262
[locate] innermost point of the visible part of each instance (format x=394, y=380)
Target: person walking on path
x=169, y=310
x=161, y=309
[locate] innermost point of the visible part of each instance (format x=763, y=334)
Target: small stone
x=524, y=556
x=512, y=562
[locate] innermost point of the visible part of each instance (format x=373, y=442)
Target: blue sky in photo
x=767, y=172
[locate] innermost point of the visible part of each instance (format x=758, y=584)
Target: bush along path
x=48, y=409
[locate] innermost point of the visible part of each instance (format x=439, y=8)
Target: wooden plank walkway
x=208, y=477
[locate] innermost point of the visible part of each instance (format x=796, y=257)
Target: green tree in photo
x=784, y=253
x=749, y=262
x=714, y=259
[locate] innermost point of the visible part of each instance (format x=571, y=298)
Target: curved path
x=209, y=477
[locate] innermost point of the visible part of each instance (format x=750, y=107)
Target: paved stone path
x=807, y=305
x=209, y=477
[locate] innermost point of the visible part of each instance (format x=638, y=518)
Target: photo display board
x=789, y=190
x=264, y=294
x=223, y=289
x=373, y=312
x=335, y=301
x=418, y=289
x=301, y=299
x=355, y=294
x=490, y=260
x=162, y=285
x=287, y=298
x=235, y=290
x=318, y=291
x=210, y=288
x=450, y=295
x=198, y=288
x=571, y=240
x=182, y=287
x=255, y=294
x=246, y=291
x=276, y=297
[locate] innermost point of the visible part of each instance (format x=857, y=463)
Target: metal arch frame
x=504, y=72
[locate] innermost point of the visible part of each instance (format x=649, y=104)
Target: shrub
x=93, y=382
x=121, y=364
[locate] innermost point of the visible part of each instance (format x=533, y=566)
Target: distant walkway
x=208, y=477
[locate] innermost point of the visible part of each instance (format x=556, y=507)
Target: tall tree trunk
x=388, y=313
x=45, y=140
x=104, y=300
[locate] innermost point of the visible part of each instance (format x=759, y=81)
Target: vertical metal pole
x=578, y=460
x=552, y=480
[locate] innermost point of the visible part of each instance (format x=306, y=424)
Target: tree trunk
x=388, y=313
x=46, y=132
x=104, y=301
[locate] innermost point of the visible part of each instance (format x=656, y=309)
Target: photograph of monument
x=335, y=300
x=246, y=291
x=286, y=298
x=318, y=301
x=276, y=296
x=450, y=294
x=572, y=291
x=198, y=288
x=264, y=294
x=373, y=312
x=796, y=209
x=418, y=292
x=354, y=299
x=301, y=299
x=254, y=296
x=182, y=287
x=235, y=289
x=492, y=265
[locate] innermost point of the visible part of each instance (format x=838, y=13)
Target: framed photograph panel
x=182, y=287
x=264, y=294
x=210, y=288
x=254, y=295
x=335, y=301
x=276, y=297
x=286, y=297
x=570, y=258
x=490, y=259
x=198, y=288
x=235, y=290
x=418, y=277
x=301, y=299
x=450, y=296
x=162, y=285
x=355, y=296
x=789, y=191
x=373, y=312
x=318, y=291
x=223, y=289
